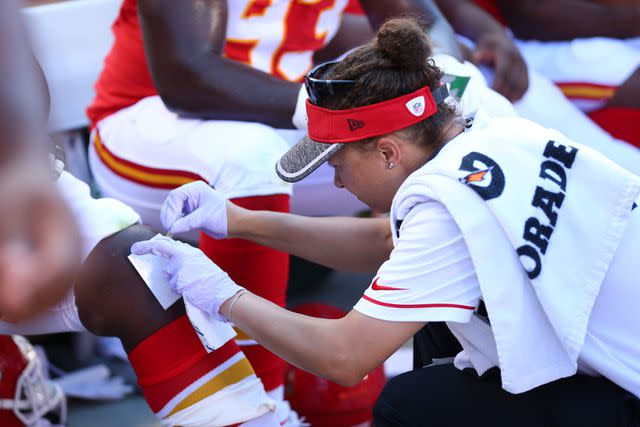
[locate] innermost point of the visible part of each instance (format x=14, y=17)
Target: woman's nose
x=337, y=181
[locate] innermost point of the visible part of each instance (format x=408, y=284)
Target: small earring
x=390, y=165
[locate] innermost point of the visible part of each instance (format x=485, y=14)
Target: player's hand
x=39, y=242
x=498, y=51
x=195, y=206
x=192, y=274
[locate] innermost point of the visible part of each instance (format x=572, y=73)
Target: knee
x=98, y=285
x=111, y=296
x=105, y=283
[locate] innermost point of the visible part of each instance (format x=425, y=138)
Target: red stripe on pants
x=263, y=271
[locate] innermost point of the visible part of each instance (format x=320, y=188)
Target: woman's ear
x=388, y=148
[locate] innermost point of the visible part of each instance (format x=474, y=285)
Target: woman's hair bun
x=404, y=42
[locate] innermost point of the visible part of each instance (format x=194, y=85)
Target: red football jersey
x=275, y=36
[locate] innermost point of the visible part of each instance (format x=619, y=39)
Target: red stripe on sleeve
x=441, y=305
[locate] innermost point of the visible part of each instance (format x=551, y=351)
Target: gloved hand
x=192, y=274
x=195, y=206
x=299, y=118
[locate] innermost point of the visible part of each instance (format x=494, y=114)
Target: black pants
x=444, y=396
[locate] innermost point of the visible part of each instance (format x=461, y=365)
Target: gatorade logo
x=355, y=124
x=485, y=176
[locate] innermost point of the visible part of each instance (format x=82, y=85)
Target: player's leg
x=115, y=302
x=182, y=383
x=621, y=114
x=267, y=276
x=545, y=104
x=588, y=70
x=141, y=153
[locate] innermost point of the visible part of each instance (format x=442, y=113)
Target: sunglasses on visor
x=318, y=88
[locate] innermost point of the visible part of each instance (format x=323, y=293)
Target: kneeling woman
x=523, y=241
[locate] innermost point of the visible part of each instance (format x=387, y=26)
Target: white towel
x=212, y=332
x=539, y=302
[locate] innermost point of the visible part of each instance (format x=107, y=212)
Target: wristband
x=235, y=299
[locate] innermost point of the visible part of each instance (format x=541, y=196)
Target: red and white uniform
x=588, y=71
x=140, y=149
x=546, y=104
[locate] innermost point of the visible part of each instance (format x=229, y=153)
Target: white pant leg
x=237, y=158
x=582, y=62
x=545, y=104
x=150, y=145
x=63, y=317
x=597, y=60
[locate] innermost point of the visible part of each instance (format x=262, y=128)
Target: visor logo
x=416, y=106
x=355, y=124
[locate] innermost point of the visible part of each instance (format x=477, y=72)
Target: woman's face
x=365, y=172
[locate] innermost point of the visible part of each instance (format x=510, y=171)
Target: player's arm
x=565, y=20
x=439, y=29
x=184, y=44
x=493, y=47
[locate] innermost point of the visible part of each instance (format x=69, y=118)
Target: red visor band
x=342, y=126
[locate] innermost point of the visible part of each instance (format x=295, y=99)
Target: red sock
x=621, y=123
x=263, y=271
x=172, y=359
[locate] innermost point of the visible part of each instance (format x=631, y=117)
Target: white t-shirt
x=430, y=271
x=434, y=279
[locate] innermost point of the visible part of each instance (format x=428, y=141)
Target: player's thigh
x=153, y=147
